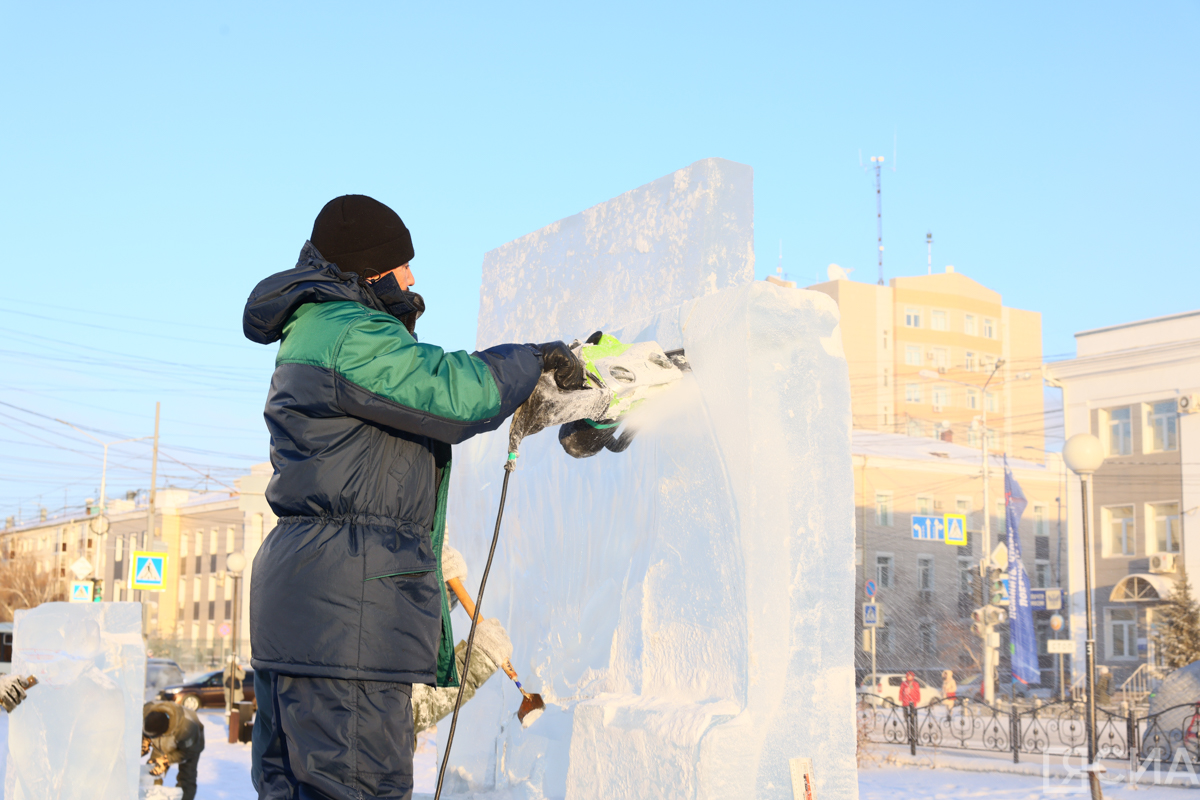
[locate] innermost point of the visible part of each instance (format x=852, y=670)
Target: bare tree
x=22, y=586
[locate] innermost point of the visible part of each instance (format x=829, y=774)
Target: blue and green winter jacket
x=348, y=584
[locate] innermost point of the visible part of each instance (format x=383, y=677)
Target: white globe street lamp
x=1083, y=456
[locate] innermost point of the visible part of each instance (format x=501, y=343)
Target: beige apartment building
x=197, y=531
x=952, y=327
x=1136, y=386
x=929, y=588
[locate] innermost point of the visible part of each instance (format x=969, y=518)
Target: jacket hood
x=312, y=280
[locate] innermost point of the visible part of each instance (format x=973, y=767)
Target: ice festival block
x=78, y=733
x=684, y=607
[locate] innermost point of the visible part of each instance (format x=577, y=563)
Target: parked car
x=887, y=685
x=161, y=673
x=207, y=691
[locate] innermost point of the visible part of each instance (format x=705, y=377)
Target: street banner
x=1020, y=612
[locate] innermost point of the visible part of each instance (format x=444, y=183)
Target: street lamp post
x=101, y=529
x=234, y=564
x=1084, y=455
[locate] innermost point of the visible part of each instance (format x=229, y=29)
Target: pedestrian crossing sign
x=956, y=528
x=81, y=591
x=148, y=571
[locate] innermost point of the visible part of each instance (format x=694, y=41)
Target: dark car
x=207, y=691
x=161, y=673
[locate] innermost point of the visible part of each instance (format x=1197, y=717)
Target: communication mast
x=929, y=244
x=877, y=162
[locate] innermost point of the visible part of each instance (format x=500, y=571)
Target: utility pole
x=929, y=246
x=150, y=512
x=987, y=520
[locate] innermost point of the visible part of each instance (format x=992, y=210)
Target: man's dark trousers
x=186, y=779
x=331, y=739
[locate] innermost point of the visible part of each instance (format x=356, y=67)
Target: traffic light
x=999, y=593
x=984, y=618
x=978, y=626
x=97, y=591
x=994, y=615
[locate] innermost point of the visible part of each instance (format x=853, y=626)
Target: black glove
x=567, y=369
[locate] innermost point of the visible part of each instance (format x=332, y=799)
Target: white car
x=887, y=685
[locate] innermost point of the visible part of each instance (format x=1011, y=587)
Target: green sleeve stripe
x=373, y=351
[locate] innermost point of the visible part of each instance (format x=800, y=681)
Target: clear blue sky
x=159, y=159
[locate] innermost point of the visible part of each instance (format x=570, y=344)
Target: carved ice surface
x=684, y=607
x=78, y=733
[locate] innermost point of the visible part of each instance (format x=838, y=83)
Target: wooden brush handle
x=468, y=605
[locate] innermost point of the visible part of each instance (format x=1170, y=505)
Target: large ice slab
x=683, y=236
x=684, y=607
x=78, y=734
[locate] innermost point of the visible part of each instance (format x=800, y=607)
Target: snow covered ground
x=225, y=775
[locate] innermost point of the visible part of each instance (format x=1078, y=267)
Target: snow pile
x=684, y=606
x=78, y=734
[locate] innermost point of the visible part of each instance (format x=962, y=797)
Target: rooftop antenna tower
x=929, y=245
x=779, y=268
x=877, y=163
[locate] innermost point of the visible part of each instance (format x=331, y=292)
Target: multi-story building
x=1134, y=386
x=948, y=326
x=929, y=588
x=197, y=531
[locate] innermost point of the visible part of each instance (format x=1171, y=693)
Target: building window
x=969, y=325
x=883, y=509
x=941, y=358
x=1161, y=421
x=183, y=546
x=885, y=385
x=937, y=321
x=912, y=393
x=989, y=328
x=993, y=439
x=1120, y=530
x=992, y=403
x=883, y=571
x=1165, y=517
x=1000, y=521
x=912, y=355
x=915, y=428
x=972, y=437
x=883, y=641
x=941, y=395
x=927, y=640
x=962, y=505
x=1041, y=575
x=119, y=553
x=971, y=364
x=966, y=576
x=925, y=573
x=1120, y=438
x=1122, y=633
x=973, y=399
x=229, y=539
x=924, y=504
x=1041, y=525
x=912, y=317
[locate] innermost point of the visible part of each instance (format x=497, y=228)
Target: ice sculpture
x=685, y=607
x=78, y=734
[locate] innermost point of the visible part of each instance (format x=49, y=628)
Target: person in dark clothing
x=348, y=605
x=172, y=734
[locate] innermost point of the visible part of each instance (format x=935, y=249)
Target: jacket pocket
x=405, y=550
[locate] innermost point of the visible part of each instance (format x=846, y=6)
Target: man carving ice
x=348, y=606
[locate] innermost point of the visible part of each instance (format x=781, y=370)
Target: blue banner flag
x=1020, y=613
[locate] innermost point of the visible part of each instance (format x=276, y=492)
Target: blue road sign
x=870, y=615
x=81, y=591
x=869, y=588
x=1045, y=599
x=931, y=528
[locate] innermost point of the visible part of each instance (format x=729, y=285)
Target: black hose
x=462, y=681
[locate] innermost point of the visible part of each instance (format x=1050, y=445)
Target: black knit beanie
x=156, y=723
x=362, y=235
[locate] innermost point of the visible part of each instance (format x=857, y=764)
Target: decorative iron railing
x=1057, y=728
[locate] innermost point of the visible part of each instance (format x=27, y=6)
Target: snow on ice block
x=684, y=607
x=78, y=733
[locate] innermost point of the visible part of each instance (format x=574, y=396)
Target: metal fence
x=1056, y=728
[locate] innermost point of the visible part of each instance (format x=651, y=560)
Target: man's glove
x=558, y=359
x=453, y=564
x=11, y=692
x=145, y=745
x=492, y=640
